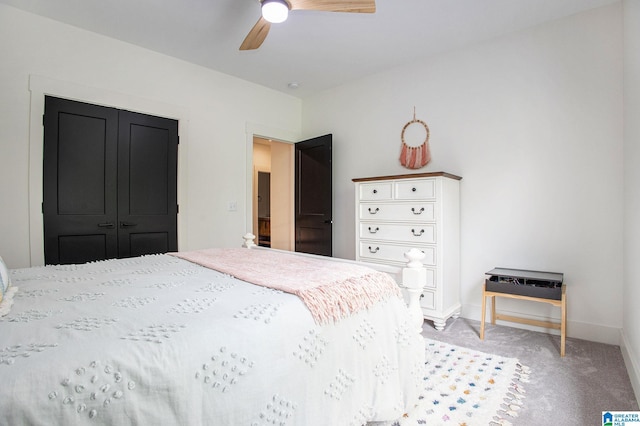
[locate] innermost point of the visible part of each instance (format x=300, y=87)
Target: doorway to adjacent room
x=299, y=214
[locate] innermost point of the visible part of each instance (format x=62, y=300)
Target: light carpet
x=464, y=387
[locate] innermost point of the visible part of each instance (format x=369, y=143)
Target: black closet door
x=110, y=183
x=147, y=184
x=79, y=198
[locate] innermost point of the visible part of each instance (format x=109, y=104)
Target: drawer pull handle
x=375, y=191
x=373, y=250
x=417, y=234
x=374, y=211
x=417, y=212
x=413, y=189
x=373, y=231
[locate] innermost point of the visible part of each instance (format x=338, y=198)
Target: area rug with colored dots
x=464, y=387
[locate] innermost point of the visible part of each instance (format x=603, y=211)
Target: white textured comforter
x=160, y=341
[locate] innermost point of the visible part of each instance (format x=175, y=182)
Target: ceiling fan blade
x=256, y=36
x=353, y=6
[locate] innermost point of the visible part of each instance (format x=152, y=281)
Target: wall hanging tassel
x=415, y=157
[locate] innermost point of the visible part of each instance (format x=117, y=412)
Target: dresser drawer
x=382, y=252
x=428, y=300
x=431, y=279
x=416, y=190
x=375, y=191
x=411, y=233
x=401, y=212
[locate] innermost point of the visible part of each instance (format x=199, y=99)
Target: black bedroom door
x=313, y=196
x=110, y=183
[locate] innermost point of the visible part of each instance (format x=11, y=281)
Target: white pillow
x=4, y=279
x=7, y=291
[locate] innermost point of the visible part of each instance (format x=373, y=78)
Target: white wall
x=631, y=318
x=215, y=111
x=532, y=121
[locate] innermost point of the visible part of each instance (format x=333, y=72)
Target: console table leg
x=493, y=309
x=563, y=320
x=484, y=314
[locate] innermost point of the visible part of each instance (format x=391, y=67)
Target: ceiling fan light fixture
x=275, y=11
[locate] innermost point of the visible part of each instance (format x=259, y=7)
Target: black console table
x=535, y=286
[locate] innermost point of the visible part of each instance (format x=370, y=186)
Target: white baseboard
x=575, y=329
x=631, y=362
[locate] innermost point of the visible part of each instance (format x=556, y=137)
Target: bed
x=160, y=339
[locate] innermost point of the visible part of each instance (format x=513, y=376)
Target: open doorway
x=264, y=209
x=301, y=195
x=273, y=166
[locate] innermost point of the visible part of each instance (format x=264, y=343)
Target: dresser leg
x=439, y=324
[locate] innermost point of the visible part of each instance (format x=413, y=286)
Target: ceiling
x=316, y=50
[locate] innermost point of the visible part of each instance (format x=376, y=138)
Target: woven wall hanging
x=415, y=157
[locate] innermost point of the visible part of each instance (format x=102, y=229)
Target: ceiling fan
x=276, y=11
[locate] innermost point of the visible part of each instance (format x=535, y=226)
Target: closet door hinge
x=177, y=208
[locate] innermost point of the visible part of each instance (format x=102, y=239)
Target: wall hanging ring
x=415, y=121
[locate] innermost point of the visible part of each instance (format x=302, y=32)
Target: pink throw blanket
x=331, y=290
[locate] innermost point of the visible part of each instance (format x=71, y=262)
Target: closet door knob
x=127, y=224
x=109, y=225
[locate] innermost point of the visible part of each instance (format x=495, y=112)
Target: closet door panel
x=147, y=184
x=149, y=171
x=82, y=154
x=148, y=242
x=79, y=182
x=82, y=248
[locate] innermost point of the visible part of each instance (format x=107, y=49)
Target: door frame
x=40, y=86
x=265, y=132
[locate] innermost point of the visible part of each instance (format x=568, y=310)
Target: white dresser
x=396, y=213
